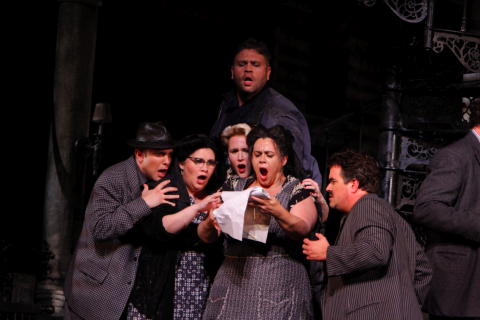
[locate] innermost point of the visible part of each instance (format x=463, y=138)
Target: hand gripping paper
x=239, y=220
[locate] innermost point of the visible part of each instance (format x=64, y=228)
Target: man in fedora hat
x=104, y=266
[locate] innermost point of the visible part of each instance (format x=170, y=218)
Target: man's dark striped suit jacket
x=376, y=269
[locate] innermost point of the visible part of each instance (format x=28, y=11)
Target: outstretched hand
x=210, y=202
x=158, y=195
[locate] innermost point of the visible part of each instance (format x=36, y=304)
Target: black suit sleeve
x=436, y=200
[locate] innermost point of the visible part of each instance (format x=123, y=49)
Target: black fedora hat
x=152, y=135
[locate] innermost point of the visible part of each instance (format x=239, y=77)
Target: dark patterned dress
x=263, y=281
x=192, y=281
x=174, y=270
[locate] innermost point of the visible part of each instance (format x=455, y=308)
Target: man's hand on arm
x=158, y=195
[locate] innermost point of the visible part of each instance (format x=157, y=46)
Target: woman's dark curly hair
x=191, y=143
x=284, y=141
x=361, y=167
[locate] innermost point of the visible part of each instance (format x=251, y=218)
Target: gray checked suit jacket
x=376, y=269
x=104, y=265
x=448, y=204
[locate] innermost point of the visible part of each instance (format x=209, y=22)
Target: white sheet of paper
x=231, y=217
x=231, y=213
x=255, y=225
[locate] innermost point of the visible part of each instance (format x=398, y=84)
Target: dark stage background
x=170, y=60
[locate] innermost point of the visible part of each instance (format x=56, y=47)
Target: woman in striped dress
x=266, y=281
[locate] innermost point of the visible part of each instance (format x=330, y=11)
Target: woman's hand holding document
x=240, y=220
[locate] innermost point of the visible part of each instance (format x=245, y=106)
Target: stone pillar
x=388, y=140
x=73, y=78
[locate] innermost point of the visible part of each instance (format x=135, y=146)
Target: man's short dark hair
x=256, y=45
x=361, y=167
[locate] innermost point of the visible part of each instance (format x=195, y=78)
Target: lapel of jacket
x=133, y=177
x=340, y=229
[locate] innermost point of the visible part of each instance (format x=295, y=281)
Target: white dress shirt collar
x=476, y=134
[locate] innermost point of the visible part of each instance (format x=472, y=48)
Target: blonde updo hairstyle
x=239, y=129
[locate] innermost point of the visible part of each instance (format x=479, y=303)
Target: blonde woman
x=234, y=137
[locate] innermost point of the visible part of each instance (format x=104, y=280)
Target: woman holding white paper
x=266, y=280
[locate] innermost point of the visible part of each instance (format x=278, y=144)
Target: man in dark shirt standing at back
x=253, y=102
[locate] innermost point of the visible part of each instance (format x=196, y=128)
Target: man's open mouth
x=247, y=81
